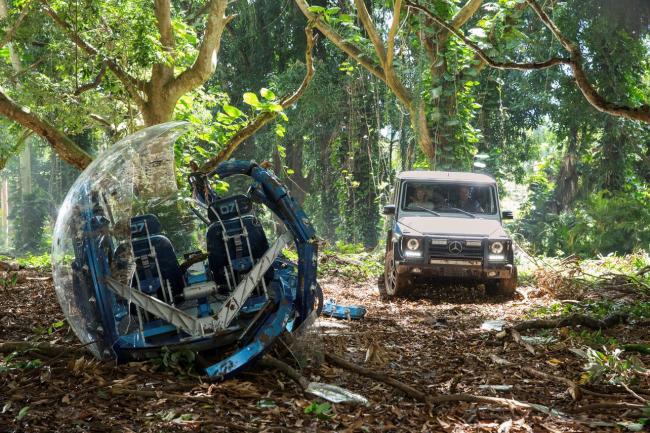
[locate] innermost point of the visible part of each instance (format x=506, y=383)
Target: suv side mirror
x=507, y=215
x=389, y=209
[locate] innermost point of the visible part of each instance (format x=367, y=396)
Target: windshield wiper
x=461, y=211
x=425, y=209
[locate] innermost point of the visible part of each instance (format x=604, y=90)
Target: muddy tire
x=505, y=287
x=393, y=284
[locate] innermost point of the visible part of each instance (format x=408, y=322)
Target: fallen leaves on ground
x=431, y=340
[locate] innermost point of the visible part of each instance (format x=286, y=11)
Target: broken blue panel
x=352, y=312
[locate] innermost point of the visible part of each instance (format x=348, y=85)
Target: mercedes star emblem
x=455, y=247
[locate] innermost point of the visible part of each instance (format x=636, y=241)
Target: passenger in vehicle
x=466, y=202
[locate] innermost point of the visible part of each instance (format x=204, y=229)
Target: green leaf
x=332, y=11
x=345, y=18
x=316, y=9
x=231, y=111
x=251, y=99
x=23, y=413
x=267, y=94
x=276, y=108
x=282, y=151
x=280, y=130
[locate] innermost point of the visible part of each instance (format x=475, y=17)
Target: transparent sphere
x=93, y=232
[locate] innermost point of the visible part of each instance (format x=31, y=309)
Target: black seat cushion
x=146, y=268
x=217, y=256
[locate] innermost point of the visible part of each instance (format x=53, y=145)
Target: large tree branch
x=373, y=34
x=548, y=22
x=206, y=61
x=392, y=33
x=465, y=13
x=133, y=85
x=162, y=9
x=94, y=83
x=641, y=113
x=384, y=54
x=62, y=145
x=348, y=48
x=266, y=117
x=482, y=54
x=162, y=72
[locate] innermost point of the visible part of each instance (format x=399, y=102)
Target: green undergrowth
x=350, y=261
x=31, y=261
x=598, y=288
x=595, y=309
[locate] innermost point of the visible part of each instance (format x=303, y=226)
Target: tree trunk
x=159, y=163
x=422, y=133
x=567, y=179
x=4, y=212
x=26, y=171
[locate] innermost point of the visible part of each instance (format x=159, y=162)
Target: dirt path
x=432, y=341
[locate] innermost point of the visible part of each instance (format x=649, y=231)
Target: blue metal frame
x=292, y=294
x=269, y=191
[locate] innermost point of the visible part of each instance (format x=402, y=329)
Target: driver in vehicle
x=420, y=198
x=466, y=202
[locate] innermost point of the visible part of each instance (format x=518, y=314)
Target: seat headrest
x=227, y=207
x=143, y=224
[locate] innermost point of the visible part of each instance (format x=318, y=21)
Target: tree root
x=608, y=405
x=574, y=390
x=118, y=390
x=43, y=347
x=406, y=389
x=274, y=363
x=572, y=321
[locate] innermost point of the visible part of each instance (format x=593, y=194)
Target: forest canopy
x=552, y=98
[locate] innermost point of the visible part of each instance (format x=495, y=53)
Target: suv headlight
x=496, y=247
x=412, y=248
x=413, y=244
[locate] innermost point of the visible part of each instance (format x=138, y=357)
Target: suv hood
x=451, y=226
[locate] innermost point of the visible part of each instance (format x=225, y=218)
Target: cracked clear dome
x=94, y=228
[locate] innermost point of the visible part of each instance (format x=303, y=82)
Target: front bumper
x=472, y=262
x=456, y=269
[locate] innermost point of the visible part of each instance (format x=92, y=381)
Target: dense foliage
x=340, y=146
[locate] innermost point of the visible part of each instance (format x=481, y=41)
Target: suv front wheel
x=394, y=283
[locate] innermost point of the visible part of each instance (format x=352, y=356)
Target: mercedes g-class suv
x=447, y=224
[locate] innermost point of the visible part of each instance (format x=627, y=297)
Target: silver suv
x=447, y=224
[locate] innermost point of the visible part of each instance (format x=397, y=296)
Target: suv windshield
x=449, y=197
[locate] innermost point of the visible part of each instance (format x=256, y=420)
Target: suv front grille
x=450, y=250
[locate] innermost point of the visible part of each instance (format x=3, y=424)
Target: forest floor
x=432, y=341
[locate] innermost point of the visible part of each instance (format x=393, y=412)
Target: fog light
x=412, y=254
x=416, y=270
x=496, y=257
x=492, y=274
